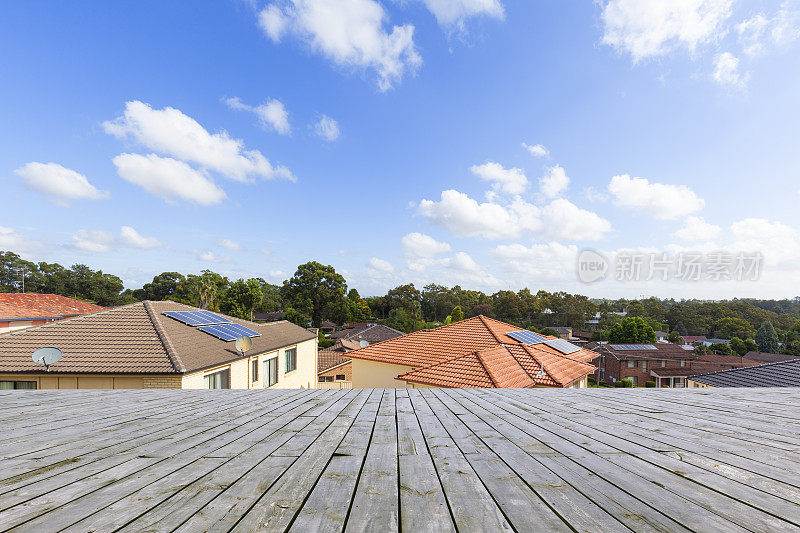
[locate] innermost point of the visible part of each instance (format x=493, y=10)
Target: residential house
x=667, y=365
x=662, y=336
x=563, y=332
x=151, y=345
x=25, y=310
x=476, y=352
x=334, y=370
x=710, y=342
x=271, y=316
x=691, y=339
x=780, y=374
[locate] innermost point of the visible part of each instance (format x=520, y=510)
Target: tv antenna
x=243, y=344
x=47, y=357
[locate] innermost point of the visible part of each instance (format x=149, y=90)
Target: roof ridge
x=483, y=321
x=166, y=342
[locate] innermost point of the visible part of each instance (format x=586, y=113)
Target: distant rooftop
x=32, y=306
x=401, y=460
x=782, y=374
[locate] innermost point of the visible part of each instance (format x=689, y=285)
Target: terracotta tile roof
x=136, y=338
x=691, y=339
x=19, y=306
x=330, y=357
x=477, y=352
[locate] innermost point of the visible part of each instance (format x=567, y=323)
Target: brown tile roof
x=691, y=339
x=330, y=357
x=477, y=352
x=662, y=351
x=25, y=306
x=136, y=338
x=705, y=363
x=766, y=357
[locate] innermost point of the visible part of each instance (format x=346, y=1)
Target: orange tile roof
x=31, y=306
x=477, y=352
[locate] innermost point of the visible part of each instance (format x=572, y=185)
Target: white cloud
x=168, y=178
x=93, y=240
x=697, y=229
x=453, y=13
x=462, y=261
x=726, y=71
x=554, y=182
x=100, y=241
x=130, y=237
x=173, y=133
x=552, y=260
x=465, y=217
x=561, y=219
x=271, y=114
x=593, y=195
x=210, y=257
x=507, y=180
x=650, y=28
x=420, y=251
x=537, y=150
x=230, y=245
x=759, y=32
x=659, y=200
x=59, y=182
x=327, y=128
x=761, y=229
x=751, y=32
x=13, y=241
x=381, y=265
x=778, y=242
x=349, y=33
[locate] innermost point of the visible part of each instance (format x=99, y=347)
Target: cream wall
x=78, y=381
x=373, y=374
x=305, y=376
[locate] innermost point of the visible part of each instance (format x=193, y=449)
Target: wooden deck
x=410, y=460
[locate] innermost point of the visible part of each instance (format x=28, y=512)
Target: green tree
x=206, y=289
x=317, y=291
x=163, y=287
x=241, y=298
x=632, y=330
x=674, y=337
x=457, y=314
x=767, y=338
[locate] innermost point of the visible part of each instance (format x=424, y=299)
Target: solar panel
x=229, y=332
x=562, y=346
x=624, y=347
x=197, y=318
x=526, y=337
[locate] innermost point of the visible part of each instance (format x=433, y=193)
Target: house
x=668, y=365
x=662, y=336
x=780, y=374
x=691, y=339
x=272, y=316
x=765, y=357
x=476, y=352
x=160, y=345
x=709, y=342
x=563, y=332
x=25, y=310
x=327, y=327
x=332, y=367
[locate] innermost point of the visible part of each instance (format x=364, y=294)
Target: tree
x=241, y=298
x=162, y=287
x=766, y=338
x=741, y=347
x=402, y=296
x=206, y=289
x=317, y=291
x=632, y=330
x=729, y=327
x=674, y=337
x=457, y=314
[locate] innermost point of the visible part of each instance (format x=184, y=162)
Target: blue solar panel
x=229, y=332
x=526, y=337
x=633, y=347
x=562, y=346
x=197, y=318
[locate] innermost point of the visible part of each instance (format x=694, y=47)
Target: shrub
x=624, y=383
x=650, y=384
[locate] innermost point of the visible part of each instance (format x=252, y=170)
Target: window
x=644, y=366
x=662, y=362
x=218, y=380
x=291, y=360
x=633, y=379
x=11, y=385
x=631, y=363
x=270, y=372
x=682, y=362
x=340, y=377
x=679, y=382
x=325, y=379
x=254, y=365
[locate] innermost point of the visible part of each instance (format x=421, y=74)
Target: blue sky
x=479, y=142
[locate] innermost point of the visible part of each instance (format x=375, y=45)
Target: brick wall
x=162, y=382
x=346, y=369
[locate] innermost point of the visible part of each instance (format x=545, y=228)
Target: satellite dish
x=47, y=357
x=363, y=343
x=243, y=344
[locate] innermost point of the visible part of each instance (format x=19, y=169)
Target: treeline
x=317, y=292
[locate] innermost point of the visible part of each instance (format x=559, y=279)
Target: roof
x=662, y=351
x=437, y=460
x=136, y=338
x=31, y=306
x=689, y=339
x=781, y=374
x=765, y=357
x=477, y=352
x=351, y=340
x=328, y=358
x=562, y=329
x=269, y=316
